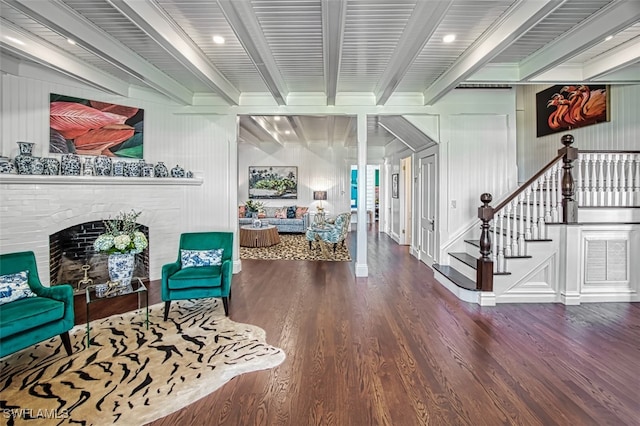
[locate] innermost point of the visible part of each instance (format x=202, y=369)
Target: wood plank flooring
x=398, y=349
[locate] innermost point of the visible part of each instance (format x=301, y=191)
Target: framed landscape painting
x=85, y=127
x=273, y=182
x=395, y=183
x=562, y=108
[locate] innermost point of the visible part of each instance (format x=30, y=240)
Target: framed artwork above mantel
x=273, y=182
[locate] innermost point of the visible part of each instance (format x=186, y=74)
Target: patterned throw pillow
x=196, y=258
x=15, y=287
x=281, y=213
x=270, y=211
x=301, y=211
x=291, y=212
x=241, y=211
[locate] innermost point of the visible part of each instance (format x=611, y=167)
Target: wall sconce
x=320, y=195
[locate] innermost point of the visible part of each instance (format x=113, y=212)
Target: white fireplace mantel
x=94, y=180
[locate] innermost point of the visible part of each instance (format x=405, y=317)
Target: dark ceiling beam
x=422, y=24
x=333, y=21
x=245, y=25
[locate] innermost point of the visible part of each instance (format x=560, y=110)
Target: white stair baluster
x=624, y=180
x=587, y=179
x=559, y=173
x=500, y=238
x=636, y=180
x=547, y=196
x=507, y=232
x=579, y=184
x=527, y=214
x=601, y=190
x=615, y=183
x=542, y=232
x=554, y=196
x=535, y=235
x=608, y=185
x=514, y=227
x=521, y=223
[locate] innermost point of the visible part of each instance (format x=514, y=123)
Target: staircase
x=555, y=239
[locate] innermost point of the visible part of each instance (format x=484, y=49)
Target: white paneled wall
x=477, y=163
x=322, y=169
x=205, y=145
x=621, y=133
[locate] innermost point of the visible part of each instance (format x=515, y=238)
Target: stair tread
x=456, y=277
x=466, y=258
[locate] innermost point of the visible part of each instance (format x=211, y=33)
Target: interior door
x=428, y=197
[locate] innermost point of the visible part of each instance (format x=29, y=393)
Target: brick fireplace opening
x=71, y=248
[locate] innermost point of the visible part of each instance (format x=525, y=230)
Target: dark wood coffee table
x=264, y=236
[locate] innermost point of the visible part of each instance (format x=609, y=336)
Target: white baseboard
x=362, y=270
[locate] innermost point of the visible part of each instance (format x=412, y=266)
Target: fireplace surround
x=71, y=248
x=35, y=207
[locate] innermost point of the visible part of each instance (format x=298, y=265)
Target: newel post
x=484, y=270
x=569, y=205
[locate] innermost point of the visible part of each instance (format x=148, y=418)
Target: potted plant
x=254, y=207
x=121, y=241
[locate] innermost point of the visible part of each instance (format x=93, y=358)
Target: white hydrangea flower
x=103, y=243
x=122, y=241
x=140, y=241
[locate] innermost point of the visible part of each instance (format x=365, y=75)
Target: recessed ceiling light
x=71, y=41
x=608, y=38
x=276, y=118
x=287, y=132
x=449, y=38
x=218, y=39
x=14, y=40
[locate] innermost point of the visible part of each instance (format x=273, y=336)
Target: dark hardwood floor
x=398, y=349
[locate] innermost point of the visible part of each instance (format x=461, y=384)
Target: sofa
x=30, y=312
x=287, y=219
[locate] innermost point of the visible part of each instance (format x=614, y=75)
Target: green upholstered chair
x=199, y=282
x=27, y=321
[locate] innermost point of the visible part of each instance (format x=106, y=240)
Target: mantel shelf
x=95, y=180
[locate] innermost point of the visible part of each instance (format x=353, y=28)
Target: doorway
x=427, y=209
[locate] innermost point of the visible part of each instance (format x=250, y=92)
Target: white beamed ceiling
x=280, y=52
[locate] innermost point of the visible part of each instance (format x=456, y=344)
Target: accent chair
x=31, y=315
x=335, y=232
x=203, y=269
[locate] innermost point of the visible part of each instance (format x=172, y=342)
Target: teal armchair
x=198, y=282
x=28, y=321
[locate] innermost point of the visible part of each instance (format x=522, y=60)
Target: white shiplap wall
x=621, y=133
x=321, y=169
x=204, y=145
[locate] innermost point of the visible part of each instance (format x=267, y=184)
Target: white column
x=362, y=269
x=231, y=127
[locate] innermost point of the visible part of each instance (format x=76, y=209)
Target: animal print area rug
x=130, y=375
x=296, y=247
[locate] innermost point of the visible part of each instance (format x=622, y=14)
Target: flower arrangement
x=254, y=206
x=121, y=235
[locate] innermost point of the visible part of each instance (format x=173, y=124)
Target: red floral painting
x=86, y=127
x=561, y=108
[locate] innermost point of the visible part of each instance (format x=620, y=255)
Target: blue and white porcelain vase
x=160, y=170
x=70, y=165
x=6, y=166
x=37, y=166
x=177, y=172
x=118, y=168
x=102, y=165
x=24, y=160
x=120, y=268
x=51, y=166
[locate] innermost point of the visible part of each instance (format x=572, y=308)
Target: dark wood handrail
x=602, y=151
x=527, y=183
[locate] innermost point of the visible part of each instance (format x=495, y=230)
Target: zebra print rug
x=130, y=375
